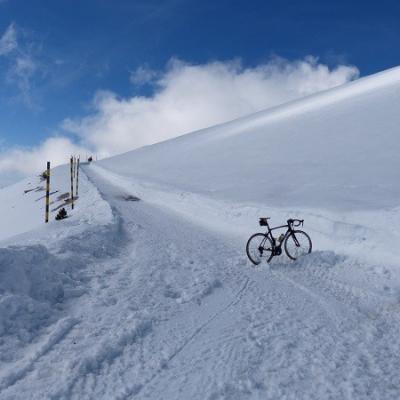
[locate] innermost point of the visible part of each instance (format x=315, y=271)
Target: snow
x=145, y=290
x=39, y=271
x=334, y=150
x=23, y=207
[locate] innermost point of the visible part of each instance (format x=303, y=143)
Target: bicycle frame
x=288, y=241
x=288, y=232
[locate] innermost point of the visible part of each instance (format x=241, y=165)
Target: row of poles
x=74, y=169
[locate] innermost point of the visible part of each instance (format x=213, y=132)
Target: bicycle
x=264, y=246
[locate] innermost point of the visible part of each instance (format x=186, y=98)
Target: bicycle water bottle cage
x=264, y=221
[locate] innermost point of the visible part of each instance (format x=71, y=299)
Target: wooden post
x=72, y=182
x=47, y=192
x=77, y=175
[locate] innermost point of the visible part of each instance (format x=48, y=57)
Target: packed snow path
x=176, y=312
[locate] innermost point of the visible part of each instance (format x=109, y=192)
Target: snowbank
x=42, y=266
x=29, y=287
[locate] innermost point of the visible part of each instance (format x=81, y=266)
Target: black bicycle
x=264, y=246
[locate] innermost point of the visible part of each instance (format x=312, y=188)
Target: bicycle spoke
x=297, y=244
x=259, y=248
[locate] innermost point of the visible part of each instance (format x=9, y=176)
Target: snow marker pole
x=72, y=181
x=47, y=192
x=77, y=176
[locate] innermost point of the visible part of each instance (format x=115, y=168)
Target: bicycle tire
x=253, y=245
x=305, y=244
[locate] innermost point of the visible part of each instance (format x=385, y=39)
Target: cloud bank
x=30, y=161
x=190, y=97
x=185, y=97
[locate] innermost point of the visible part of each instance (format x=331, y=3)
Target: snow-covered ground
x=145, y=290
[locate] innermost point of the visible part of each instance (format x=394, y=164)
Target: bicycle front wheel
x=297, y=243
x=259, y=247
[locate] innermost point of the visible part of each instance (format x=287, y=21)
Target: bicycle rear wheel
x=258, y=248
x=298, y=243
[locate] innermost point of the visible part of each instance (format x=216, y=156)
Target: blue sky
x=72, y=49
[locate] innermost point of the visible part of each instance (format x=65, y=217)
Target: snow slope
x=338, y=149
x=332, y=158
x=145, y=291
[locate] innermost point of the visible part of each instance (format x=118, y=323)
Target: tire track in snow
x=361, y=304
x=135, y=389
x=237, y=299
x=317, y=299
x=103, y=357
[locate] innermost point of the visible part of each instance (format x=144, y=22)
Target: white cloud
x=190, y=97
x=143, y=75
x=8, y=42
x=186, y=98
x=21, y=73
x=25, y=162
x=21, y=63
